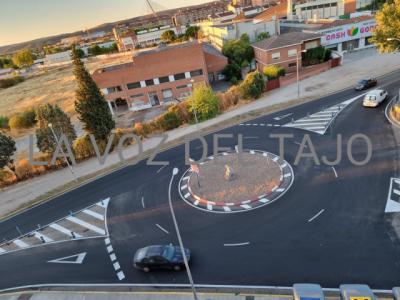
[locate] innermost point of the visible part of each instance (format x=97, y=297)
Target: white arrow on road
x=282, y=117
x=69, y=259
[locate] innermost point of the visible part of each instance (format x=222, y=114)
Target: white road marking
x=20, y=243
x=275, y=159
x=316, y=216
x=209, y=206
x=183, y=187
x=186, y=178
x=245, y=206
x=2, y=250
x=237, y=244
x=143, y=203
x=334, y=171
x=397, y=192
x=93, y=214
x=288, y=175
x=121, y=275
x=162, y=228
x=160, y=169
x=226, y=208
x=282, y=117
x=103, y=203
x=113, y=257
x=87, y=225
x=107, y=241
x=45, y=238
x=116, y=266
x=66, y=260
x=64, y=230
x=251, y=137
x=110, y=249
x=187, y=195
x=264, y=200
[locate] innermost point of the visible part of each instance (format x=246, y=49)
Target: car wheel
x=146, y=269
x=177, y=268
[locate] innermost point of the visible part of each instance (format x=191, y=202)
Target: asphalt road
x=329, y=228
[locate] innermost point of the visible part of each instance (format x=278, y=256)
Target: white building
x=324, y=9
x=219, y=34
x=59, y=58
x=152, y=36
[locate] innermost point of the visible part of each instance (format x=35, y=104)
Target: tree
x=204, y=101
x=168, y=36
x=273, y=72
x=48, y=114
x=80, y=53
x=387, y=32
x=23, y=58
x=90, y=104
x=240, y=53
x=192, y=31
x=253, y=85
x=93, y=50
x=7, y=149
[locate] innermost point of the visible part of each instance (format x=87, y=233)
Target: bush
x=7, y=177
x=141, y=129
x=230, y=98
x=316, y=55
x=253, y=86
x=4, y=122
x=83, y=148
x=205, y=102
x=27, y=119
x=9, y=82
x=23, y=169
x=273, y=72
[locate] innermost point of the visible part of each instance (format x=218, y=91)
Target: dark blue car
x=160, y=257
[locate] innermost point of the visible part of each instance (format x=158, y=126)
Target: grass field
x=56, y=85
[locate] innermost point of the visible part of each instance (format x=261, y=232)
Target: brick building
x=284, y=50
x=160, y=75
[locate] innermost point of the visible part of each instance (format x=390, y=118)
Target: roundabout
x=228, y=182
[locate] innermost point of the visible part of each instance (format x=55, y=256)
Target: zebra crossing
x=319, y=122
x=87, y=223
x=393, y=201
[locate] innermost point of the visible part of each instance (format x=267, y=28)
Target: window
x=179, y=76
x=149, y=82
x=291, y=65
x=292, y=52
x=276, y=55
x=133, y=85
x=196, y=73
x=164, y=79
x=114, y=89
x=136, y=96
x=181, y=87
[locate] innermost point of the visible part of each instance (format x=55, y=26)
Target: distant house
x=284, y=50
x=6, y=73
x=59, y=58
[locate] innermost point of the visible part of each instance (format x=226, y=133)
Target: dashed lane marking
x=316, y=216
x=237, y=244
x=117, y=267
x=121, y=275
x=162, y=228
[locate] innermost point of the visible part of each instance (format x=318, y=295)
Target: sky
x=24, y=20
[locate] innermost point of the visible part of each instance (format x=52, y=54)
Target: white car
x=374, y=98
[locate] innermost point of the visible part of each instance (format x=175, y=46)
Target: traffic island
x=227, y=183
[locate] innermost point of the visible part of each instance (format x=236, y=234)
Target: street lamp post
x=298, y=71
x=62, y=150
x=194, y=108
x=189, y=273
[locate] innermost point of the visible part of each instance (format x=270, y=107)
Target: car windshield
x=141, y=254
x=168, y=252
x=370, y=97
x=364, y=81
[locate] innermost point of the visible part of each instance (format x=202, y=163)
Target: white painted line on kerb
x=64, y=230
x=87, y=225
x=162, y=228
x=334, y=171
x=93, y=214
x=45, y=238
x=316, y=216
x=237, y=244
x=20, y=243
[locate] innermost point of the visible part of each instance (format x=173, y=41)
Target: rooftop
x=286, y=39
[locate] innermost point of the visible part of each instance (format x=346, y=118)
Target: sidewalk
x=356, y=66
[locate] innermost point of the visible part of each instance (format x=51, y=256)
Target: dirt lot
x=55, y=85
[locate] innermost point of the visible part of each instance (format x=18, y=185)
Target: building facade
x=193, y=14
x=160, y=75
x=219, y=34
x=284, y=50
x=324, y=9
